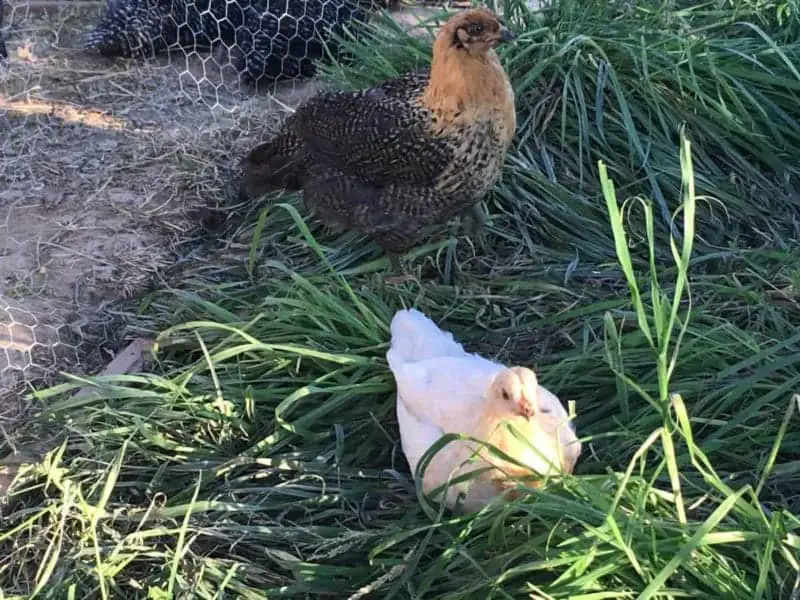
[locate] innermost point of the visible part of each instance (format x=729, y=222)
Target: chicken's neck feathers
x=463, y=87
x=459, y=81
x=455, y=394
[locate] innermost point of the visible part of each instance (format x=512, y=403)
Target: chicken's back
x=383, y=135
x=415, y=338
x=311, y=138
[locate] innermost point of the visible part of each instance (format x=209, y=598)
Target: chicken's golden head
x=477, y=31
x=516, y=389
x=515, y=394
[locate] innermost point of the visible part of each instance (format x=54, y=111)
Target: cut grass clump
x=260, y=458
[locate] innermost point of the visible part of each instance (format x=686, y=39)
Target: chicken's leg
x=396, y=266
x=394, y=262
x=474, y=220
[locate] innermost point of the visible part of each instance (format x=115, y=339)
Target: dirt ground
x=107, y=169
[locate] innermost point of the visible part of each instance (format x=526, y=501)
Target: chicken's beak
x=506, y=35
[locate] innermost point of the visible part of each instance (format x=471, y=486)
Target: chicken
x=443, y=389
x=267, y=40
x=407, y=155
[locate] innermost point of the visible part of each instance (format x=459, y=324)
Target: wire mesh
x=29, y=347
x=121, y=121
x=248, y=41
x=39, y=340
x=214, y=47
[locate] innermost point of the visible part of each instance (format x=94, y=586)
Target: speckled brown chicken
x=406, y=155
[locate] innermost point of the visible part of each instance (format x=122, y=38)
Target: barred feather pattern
x=266, y=39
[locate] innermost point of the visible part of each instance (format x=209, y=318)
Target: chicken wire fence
x=28, y=347
x=37, y=341
x=120, y=121
x=215, y=48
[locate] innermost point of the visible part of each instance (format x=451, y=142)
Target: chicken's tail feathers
x=415, y=337
x=270, y=166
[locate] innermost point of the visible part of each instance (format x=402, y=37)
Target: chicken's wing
x=382, y=135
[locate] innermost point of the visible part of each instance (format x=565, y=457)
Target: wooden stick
x=128, y=360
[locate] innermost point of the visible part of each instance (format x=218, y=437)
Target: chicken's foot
x=396, y=266
x=474, y=220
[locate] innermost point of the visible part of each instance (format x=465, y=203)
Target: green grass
x=651, y=279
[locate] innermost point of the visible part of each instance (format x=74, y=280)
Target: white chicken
x=443, y=389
